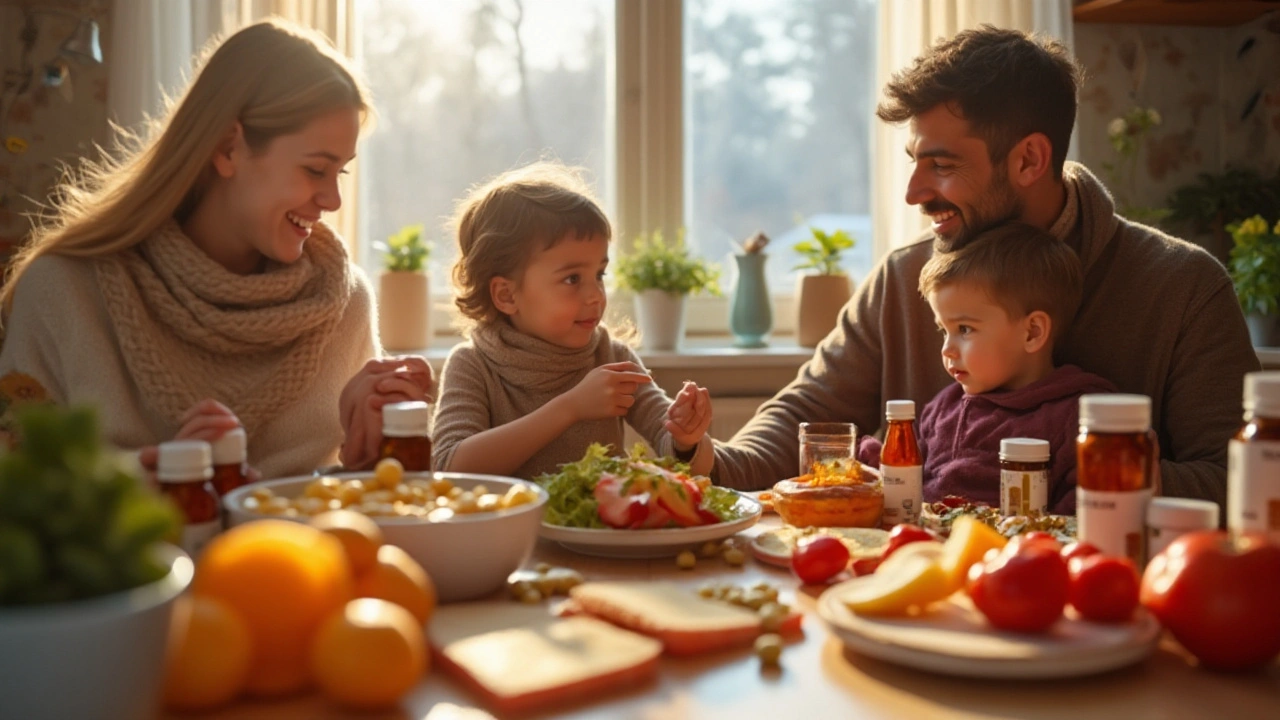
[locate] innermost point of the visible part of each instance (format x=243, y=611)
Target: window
x=468, y=88
x=761, y=122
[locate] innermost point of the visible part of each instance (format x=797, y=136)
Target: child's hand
x=689, y=416
x=608, y=391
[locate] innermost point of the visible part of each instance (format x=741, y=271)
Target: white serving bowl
x=467, y=556
x=101, y=657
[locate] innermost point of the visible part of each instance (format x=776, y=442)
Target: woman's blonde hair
x=500, y=223
x=273, y=77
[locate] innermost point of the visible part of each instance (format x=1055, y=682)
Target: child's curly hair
x=500, y=223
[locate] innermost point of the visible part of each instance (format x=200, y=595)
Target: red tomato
x=819, y=559
x=1218, y=595
x=1078, y=550
x=1039, y=537
x=905, y=534
x=1104, y=588
x=865, y=566
x=1024, y=589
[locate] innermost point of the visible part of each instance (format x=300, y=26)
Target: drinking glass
x=825, y=442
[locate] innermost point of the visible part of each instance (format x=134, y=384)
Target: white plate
x=665, y=542
x=955, y=639
x=771, y=548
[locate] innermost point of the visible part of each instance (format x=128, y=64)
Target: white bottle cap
x=230, y=449
x=406, y=419
x=1182, y=514
x=1024, y=450
x=1114, y=413
x=1262, y=393
x=900, y=410
x=184, y=461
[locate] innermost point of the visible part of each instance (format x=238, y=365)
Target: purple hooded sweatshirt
x=960, y=436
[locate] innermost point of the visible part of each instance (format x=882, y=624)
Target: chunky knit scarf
x=535, y=365
x=190, y=329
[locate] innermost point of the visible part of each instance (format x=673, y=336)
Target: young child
x=539, y=378
x=1001, y=302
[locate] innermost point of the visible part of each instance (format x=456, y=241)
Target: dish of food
x=774, y=547
x=843, y=495
x=954, y=639
x=940, y=516
x=635, y=506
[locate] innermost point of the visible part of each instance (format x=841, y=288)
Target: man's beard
x=997, y=205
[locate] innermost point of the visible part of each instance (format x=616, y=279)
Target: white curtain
x=906, y=29
x=154, y=42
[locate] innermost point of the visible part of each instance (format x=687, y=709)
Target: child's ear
x=503, y=293
x=1039, y=327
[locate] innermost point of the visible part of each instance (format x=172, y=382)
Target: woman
x=190, y=286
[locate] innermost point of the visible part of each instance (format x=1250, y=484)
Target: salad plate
x=955, y=639
x=653, y=543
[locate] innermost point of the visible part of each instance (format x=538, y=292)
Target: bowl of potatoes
x=469, y=532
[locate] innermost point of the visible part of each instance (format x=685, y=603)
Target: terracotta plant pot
x=404, y=310
x=819, y=299
x=660, y=317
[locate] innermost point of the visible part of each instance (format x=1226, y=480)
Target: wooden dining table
x=819, y=678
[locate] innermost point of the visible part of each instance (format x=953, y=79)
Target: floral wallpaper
x=1215, y=93
x=51, y=114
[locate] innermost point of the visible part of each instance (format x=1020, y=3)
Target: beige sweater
x=501, y=375
x=1159, y=318
x=277, y=348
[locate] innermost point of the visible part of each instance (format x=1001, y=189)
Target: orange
x=970, y=539
x=369, y=654
x=210, y=652
x=359, y=534
x=284, y=579
x=400, y=579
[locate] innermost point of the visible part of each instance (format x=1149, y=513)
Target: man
x=990, y=114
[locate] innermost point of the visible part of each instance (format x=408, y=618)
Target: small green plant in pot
x=660, y=275
x=1255, y=273
x=821, y=294
x=404, y=297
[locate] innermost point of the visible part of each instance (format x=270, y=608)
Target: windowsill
x=1269, y=357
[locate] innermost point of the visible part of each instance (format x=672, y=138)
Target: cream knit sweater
x=144, y=334
x=501, y=375
x=1159, y=317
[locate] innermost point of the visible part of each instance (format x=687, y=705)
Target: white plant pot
x=660, y=317
x=819, y=299
x=98, y=658
x=404, y=310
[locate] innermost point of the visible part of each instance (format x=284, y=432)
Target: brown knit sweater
x=144, y=334
x=1159, y=318
x=500, y=375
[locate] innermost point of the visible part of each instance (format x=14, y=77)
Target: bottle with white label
x=184, y=469
x=901, y=466
x=1115, y=464
x=1024, y=476
x=1253, y=460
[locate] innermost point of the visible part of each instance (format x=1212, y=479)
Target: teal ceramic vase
x=750, y=316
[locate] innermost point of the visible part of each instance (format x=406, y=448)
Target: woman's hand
x=207, y=420
x=689, y=417
x=607, y=391
x=379, y=382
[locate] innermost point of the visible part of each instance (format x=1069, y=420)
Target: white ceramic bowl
x=97, y=658
x=467, y=556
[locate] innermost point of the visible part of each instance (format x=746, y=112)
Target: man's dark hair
x=1006, y=83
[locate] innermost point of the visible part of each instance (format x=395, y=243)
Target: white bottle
x=1169, y=518
x=1024, y=476
x=900, y=466
x=1253, y=460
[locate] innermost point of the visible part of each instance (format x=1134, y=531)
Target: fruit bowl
x=467, y=555
x=101, y=657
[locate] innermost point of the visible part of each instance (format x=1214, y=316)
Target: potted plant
x=1203, y=208
x=821, y=294
x=1255, y=273
x=87, y=585
x=661, y=275
x=1127, y=134
x=404, y=292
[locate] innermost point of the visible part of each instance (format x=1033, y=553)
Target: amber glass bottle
x=901, y=465
x=1115, y=463
x=184, y=469
x=405, y=435
x=230, y=462
x=1253, y=460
